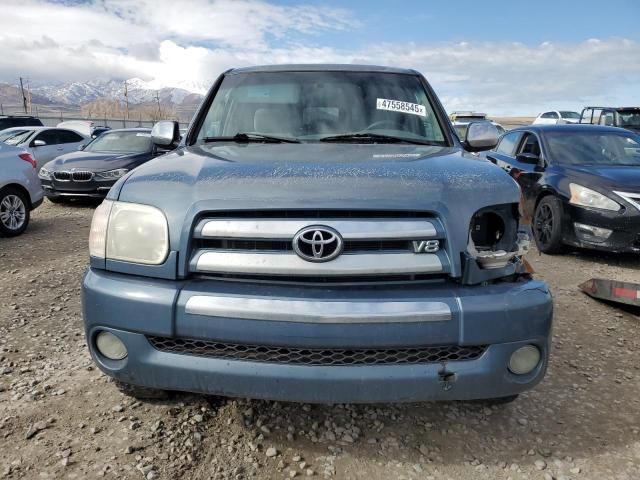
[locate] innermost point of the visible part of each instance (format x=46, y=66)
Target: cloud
x=188, y=43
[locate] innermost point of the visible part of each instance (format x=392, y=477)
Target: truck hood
x=96, y=161
x=256, y=176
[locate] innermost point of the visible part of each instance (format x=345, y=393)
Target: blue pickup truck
x=320, y=234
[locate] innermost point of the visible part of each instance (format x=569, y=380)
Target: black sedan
x=580, y=184
x=92, y=171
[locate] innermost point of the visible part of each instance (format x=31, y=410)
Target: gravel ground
x=61, y=418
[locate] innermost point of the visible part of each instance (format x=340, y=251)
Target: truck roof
x=322, y=67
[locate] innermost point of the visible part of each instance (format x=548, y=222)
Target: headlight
x=44, y=174
x=111, y=174
x=585, y=197
x=129, y=232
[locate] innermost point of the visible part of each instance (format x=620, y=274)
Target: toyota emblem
x=317, y=243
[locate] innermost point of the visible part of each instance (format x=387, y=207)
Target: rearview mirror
x=480, y=136
x=529, y=158
x=166, y=134
x=39, y=143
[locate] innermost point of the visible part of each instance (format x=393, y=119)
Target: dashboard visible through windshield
x=312, y=106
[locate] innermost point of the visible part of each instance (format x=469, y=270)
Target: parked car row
x=580, y=184
x=63, y=164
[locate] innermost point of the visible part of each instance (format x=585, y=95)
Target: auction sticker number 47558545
x=403, y=107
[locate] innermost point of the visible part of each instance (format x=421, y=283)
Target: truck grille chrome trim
x=286, y=229
x=309, y=311
x=317, y=356
x=251, y=263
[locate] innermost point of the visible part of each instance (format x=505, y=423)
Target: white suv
x=555, y=117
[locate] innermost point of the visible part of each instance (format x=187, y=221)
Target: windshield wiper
x=376, y=137
x=251, y=137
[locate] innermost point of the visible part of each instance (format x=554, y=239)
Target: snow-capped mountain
x=138, y=91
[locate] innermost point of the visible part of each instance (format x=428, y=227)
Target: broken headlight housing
x=496, y=243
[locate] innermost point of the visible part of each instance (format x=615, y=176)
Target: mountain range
x=77, y=94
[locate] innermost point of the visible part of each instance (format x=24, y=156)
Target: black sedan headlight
x=111, y=174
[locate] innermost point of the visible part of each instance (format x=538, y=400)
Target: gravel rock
x=271, y=452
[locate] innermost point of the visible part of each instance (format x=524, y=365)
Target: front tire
x=14, y=212
x=547, y=225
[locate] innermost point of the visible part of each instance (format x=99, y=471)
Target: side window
x=50, y=137
x=554, y=115
x=586, y=115
x=531, y=145
x=508, y=143
x=606, y=118
x=596, y=115
x=67, y=136
x=547, y=115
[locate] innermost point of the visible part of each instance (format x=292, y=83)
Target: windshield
x=570, y=115
x=16, y=138
x=7, y=134
x=629, y=118
x=121, y=142
x=308, y=106
x=598, y=148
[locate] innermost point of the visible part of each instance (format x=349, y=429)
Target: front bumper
x=503, y=317
x=625, y=227
x=90, y=189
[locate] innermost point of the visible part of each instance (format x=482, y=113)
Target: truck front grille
x=317, y=356
x=261, y=244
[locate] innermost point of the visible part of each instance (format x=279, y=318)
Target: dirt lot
x=61, y=418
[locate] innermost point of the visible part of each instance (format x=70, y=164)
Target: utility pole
x=126, y=98
x=24, y=98
x=158, y=102
x=29, y=104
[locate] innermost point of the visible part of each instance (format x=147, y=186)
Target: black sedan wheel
x=14, y=212
x=547, y=226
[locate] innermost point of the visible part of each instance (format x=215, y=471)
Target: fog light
x=110, y=346
x=524, y=360
x=591, y=233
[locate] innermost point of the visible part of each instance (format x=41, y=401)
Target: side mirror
x=39, y=143
x=529, y=158
x=166, y=134
x=480, y=136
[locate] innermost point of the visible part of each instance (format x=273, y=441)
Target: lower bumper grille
x=316, y=356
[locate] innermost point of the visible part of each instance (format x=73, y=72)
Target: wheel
x=141, y=393
x=547, y=225
x=14, y=212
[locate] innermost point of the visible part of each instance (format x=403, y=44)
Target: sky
x=503, y=57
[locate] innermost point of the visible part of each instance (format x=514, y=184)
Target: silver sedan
x=20, y=189
x=44, y=143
